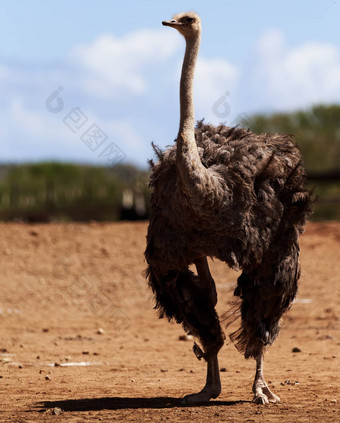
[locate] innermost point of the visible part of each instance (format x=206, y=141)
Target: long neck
x=199, y=184
x=187, y=119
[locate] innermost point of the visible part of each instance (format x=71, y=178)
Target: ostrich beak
x=173, y=23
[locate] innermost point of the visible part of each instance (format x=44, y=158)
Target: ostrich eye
x=190, y=20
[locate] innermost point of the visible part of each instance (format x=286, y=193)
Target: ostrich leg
x=212, y=388
x=206, y=278
x=262, y=394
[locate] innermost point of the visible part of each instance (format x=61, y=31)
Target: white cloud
x=214, y=83
x=28, y=121
x=110, y=66
x=32, y=134
x=285, y=78
x=129, y=86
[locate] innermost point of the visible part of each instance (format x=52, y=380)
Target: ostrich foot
x=262, y=394
x=208, y=392
x=212, y=388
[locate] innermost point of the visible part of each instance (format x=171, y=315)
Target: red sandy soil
x=73, y=293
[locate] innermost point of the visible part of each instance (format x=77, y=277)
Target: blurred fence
x=48, y=201
x=57, y=192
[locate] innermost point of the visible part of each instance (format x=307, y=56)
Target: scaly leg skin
x=262, y=394
x=212, y=388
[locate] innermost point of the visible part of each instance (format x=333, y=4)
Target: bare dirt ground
x=80, y=342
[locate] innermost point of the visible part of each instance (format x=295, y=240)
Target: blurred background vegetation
x=44, y=192
x=317, y=132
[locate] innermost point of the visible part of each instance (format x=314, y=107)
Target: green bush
x=317, y=132
x=59, y=191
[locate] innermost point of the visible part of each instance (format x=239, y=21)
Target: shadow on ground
x=119, y=403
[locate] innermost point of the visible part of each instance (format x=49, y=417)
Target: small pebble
x=47, y=378
x=100, y=331
x=223, y=369
x=56, y=411
x=296, y=350
x=163, y=370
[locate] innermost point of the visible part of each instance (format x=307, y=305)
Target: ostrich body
x=234, y=195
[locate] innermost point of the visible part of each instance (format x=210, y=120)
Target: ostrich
x=231, y=194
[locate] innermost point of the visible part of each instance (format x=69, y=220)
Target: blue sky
x=119, y=69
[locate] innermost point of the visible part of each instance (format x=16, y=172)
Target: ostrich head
x=187, y=23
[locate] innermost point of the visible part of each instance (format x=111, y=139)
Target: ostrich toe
x=208, y=392
x=263, y=395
